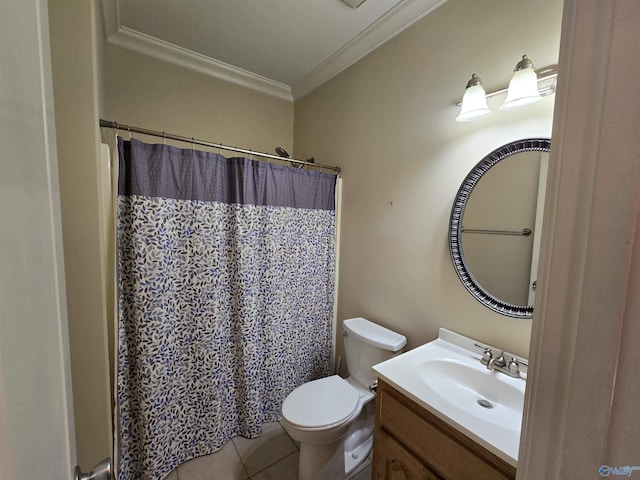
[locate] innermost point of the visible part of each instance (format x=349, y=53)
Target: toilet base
x=336, y=460
x=321, y=462
x=353, y=457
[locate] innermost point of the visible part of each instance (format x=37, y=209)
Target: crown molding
x=403, y=15
x=168, y=52
x=124, y=37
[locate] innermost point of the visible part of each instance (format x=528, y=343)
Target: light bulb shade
x=523, y=90
x=474, y=104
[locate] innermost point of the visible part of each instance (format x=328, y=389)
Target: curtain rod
x=180, y=138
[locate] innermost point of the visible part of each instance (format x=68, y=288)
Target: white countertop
x=446, y=378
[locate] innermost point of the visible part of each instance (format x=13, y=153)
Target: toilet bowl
x=333, y=418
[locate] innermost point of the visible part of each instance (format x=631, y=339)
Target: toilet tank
x=366, y=344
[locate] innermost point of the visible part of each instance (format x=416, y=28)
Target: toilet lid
x=319, y=403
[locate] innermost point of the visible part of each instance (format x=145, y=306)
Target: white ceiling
x=282, y=47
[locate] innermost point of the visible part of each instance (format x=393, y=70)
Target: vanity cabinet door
x=409, y=440
x=396, y=463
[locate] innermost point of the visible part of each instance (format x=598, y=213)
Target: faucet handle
x=487, y=355
x=518, y=361
x=514, y=365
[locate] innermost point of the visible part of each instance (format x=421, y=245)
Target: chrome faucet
x=499, y=363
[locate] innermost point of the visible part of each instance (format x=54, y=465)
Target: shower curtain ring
x=164, y=138
x=129, y=130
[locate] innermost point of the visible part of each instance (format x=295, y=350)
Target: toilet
x=333, y=418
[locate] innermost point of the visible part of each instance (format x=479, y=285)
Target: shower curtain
x=226, y=273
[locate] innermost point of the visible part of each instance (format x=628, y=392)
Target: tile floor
x=272, y=456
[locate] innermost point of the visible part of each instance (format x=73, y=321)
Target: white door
x=537, y=229
x=36, y=415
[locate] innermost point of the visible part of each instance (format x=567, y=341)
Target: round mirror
x=495, y=223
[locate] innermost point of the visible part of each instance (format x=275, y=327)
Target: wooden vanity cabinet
x=411, y=443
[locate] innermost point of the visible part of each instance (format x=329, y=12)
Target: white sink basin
x=446, y=377
x=475, y=391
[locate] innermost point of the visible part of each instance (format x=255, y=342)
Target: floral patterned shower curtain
x=226, y=273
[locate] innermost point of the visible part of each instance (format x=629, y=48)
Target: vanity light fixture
x=527, y=86
x=474, y=103
x=523, y=87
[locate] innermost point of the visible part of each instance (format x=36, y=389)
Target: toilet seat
x=323, y=403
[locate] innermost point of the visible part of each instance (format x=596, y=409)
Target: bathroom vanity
x=410, y=443
x=449, y=410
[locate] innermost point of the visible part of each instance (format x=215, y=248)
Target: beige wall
x=75, y=66
x=157, y=95
x=389, y=122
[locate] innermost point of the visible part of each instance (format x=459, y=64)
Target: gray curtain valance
x=157, y=170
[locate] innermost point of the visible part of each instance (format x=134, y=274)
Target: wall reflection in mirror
x=496, y=223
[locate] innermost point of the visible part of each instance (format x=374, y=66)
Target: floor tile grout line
x=244, y=467
x=277, y=461
x=249, y=477
x=290, y=438
x=245, y=471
